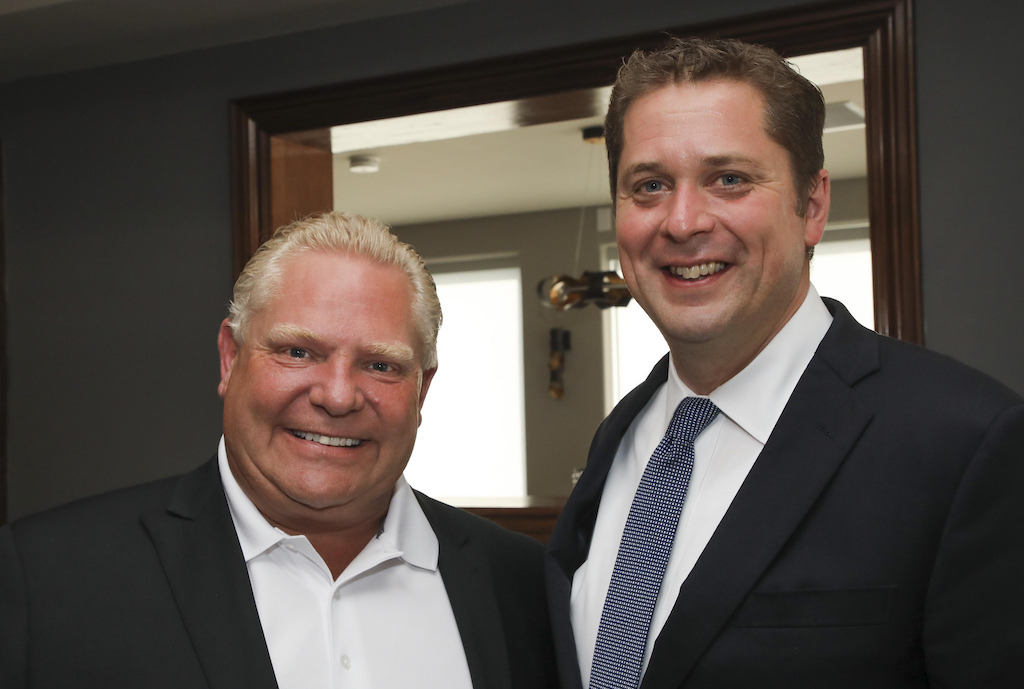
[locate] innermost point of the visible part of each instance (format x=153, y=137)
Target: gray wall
x=118, y=215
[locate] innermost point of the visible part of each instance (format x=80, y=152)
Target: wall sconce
x=603, y=289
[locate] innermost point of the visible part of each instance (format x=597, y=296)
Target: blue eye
x=380, y=366
x=297, y=353
x=731, y=180
x=652, y=186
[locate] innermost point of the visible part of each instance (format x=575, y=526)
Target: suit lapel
x=818, y=428
x=196, y=542
x=471, y=591
x=570, y=539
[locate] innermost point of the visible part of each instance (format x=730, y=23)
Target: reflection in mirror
x=485, y=160
x=275, y=132
x=516, y=182
x=520, y=181
x=271, y=134
x=471, y=446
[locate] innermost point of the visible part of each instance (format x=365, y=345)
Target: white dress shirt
x=751, y=403
x=385, y=622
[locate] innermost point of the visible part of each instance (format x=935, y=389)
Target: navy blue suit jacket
x=878, y=540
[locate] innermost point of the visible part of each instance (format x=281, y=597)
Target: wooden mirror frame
x=882, y=28
x=3, y=348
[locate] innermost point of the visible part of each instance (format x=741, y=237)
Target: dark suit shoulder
x=91, y=592
x=99, y=537
x=112, y=505
x=946, y=398
x=919, y=384
x=113, y=511
x=937, y=373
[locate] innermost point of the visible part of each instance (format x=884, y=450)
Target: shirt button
x=337, y=596
x=346, y=662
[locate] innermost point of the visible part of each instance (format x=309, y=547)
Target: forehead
x=330, y=268
x=693, y=108
x=339, y=288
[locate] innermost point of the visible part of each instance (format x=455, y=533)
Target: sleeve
x=973, y=627
x=13, y=615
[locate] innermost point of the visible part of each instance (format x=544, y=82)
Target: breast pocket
x=817, y=608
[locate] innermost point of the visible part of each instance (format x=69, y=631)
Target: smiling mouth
x=333, y=441
x=696, y=272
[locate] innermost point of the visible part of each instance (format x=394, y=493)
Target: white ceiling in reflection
x=492, y=160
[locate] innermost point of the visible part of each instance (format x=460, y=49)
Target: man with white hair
x=299, y=556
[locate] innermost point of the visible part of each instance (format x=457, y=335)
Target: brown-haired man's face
x=709, y=239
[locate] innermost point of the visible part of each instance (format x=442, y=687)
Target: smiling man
x=299, y=556
x=789, y=499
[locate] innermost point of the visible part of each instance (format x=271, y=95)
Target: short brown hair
x=794, y=109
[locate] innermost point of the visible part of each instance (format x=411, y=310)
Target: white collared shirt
x=750, y=403
x=385, y=622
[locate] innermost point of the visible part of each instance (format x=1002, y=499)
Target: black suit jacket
x=878, y=540
x=147, y=587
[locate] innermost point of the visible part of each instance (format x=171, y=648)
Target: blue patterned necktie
x=644, y=550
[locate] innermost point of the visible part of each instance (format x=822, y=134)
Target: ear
x=817, y=210
x=428, y=376
x=228, y=349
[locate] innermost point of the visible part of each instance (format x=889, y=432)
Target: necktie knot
x=691, y=417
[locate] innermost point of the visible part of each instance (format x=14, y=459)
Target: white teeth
x=327, y=439
x=694, y=272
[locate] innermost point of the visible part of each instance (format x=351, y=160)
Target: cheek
x=766, y=229
x=630, y=242
x=399, y=405
x=271, y=392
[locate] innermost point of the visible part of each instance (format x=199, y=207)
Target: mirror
x=282, y=157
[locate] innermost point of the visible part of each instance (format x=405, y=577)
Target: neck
x=338, y=550
x=704, y=366
x=337, y=542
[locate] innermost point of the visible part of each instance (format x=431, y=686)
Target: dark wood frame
x=883, y=28
x=3, y=348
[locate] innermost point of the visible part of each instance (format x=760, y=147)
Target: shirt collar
x=255, y=534
x=406, y=531
x=755, y=397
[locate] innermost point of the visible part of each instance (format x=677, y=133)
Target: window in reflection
x=633, y=344
x=841, y=269
x=472, y=441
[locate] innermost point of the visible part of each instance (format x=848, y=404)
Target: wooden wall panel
x=300, y=180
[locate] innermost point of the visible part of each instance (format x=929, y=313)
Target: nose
x=337, y=388
x=688, y=213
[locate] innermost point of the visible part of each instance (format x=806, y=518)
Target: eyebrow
x=288, y=331
x=396, y=351
x=636, y=168
x=730, y=159
x=723, y=160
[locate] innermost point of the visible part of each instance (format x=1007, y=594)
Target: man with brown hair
x=789, y=499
